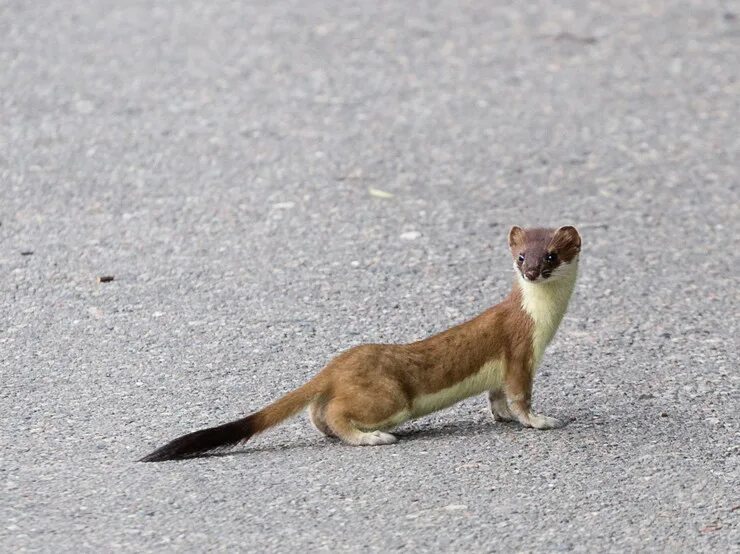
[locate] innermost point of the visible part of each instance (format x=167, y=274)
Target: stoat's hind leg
x=341, y=423
x=499, y=406
x=316, y=415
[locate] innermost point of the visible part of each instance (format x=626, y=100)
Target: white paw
x=376, y=438
x=544, y=422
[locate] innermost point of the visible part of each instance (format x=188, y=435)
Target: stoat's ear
x=516, y=237
x=568, y=238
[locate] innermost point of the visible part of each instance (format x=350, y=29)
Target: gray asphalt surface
x=217, y=160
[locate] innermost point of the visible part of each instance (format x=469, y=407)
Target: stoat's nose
x=532, y=274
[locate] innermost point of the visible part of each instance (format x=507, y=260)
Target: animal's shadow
x=414, y=432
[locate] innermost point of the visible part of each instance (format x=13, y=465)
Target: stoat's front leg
x=499, y=406
x=518, y=391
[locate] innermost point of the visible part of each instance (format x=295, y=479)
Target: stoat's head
x=544, y=255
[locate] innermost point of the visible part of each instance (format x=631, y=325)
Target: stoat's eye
x=521, y=258
x=551, y=258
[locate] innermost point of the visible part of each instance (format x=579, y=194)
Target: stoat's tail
x=241, y=430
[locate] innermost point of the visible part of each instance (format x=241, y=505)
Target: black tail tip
x=201, y=442
x=160, y=455
x=171, y=451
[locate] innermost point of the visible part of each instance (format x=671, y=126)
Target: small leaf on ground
x=379, y=193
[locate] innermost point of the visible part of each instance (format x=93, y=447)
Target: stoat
x=371, y=388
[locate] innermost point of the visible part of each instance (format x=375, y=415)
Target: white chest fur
x=546, y=303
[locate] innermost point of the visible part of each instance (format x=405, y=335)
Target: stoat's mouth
x=546, y=276
x=564, y=270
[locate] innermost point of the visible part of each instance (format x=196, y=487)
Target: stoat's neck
x=546, y=303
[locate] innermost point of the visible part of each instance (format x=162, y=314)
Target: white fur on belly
x=489, y=376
